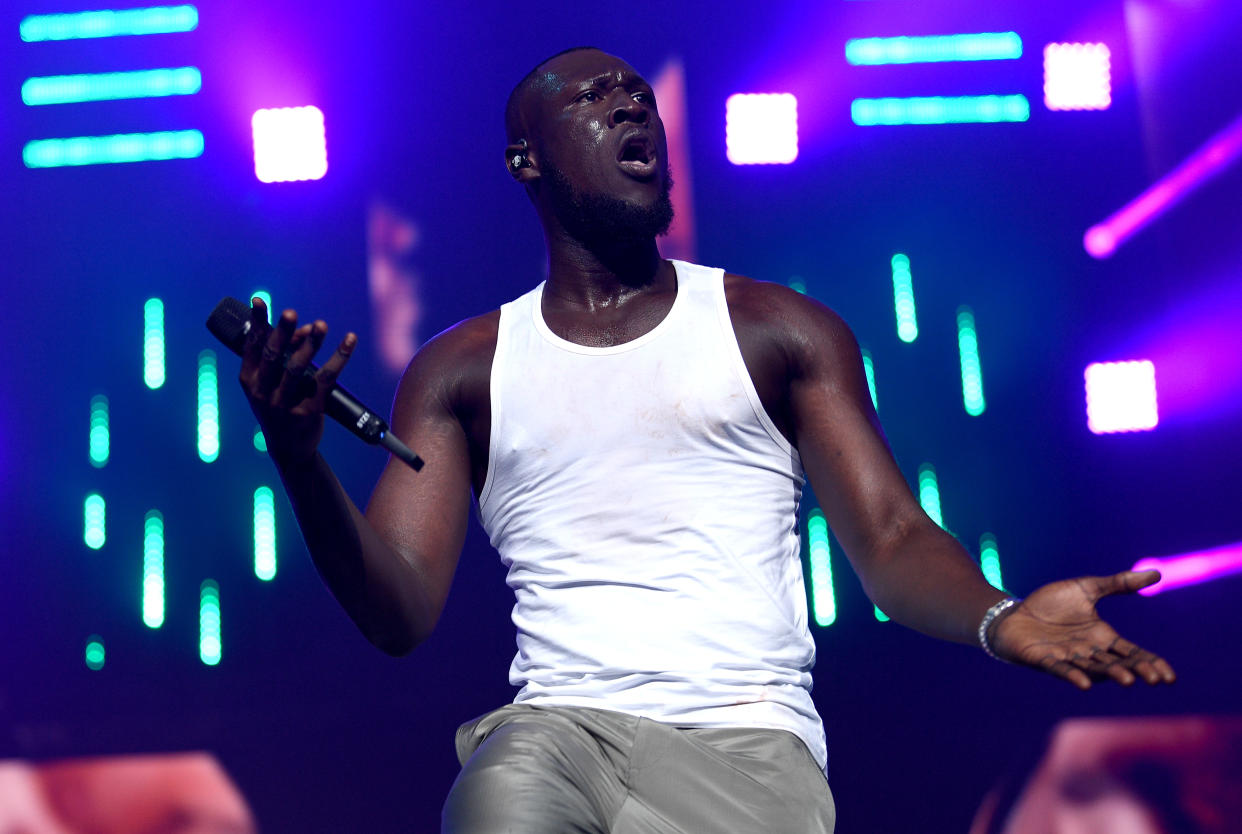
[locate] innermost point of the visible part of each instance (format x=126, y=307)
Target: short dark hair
x=513, y=105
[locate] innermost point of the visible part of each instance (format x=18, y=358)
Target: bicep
x=864, y=496
x=423, y=515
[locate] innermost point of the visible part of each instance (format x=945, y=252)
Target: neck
x=603, y=275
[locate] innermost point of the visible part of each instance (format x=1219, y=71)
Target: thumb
x=1127, y=582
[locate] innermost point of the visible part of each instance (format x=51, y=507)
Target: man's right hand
x=290, y=415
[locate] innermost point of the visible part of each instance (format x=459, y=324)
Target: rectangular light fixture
x=761, y=128
x=152, y=20
x=940, y=110
x=111, y=86
x=103, y=150
x=1121, y=396
x=289, y=144
x=1076, y=76
x=983, y=46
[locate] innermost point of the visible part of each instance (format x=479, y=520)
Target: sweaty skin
x=391, y=567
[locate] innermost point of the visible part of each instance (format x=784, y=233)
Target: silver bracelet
x=988, y=618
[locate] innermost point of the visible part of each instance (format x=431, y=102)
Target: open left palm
x=1056, y=629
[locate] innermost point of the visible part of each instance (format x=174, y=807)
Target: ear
x=519, y=162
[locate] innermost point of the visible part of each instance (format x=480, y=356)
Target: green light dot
x=94, y=654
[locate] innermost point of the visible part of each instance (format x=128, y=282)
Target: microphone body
x=230, y=322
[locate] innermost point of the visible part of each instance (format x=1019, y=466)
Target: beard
x=602, y=221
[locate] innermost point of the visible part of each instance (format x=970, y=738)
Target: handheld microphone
x=231, y=323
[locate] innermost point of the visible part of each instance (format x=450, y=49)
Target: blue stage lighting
x=939, y=110
x=123, y=147
x=110, y=86
x=984, y=46
x=152, y=20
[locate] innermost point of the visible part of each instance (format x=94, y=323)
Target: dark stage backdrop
x=323, y=732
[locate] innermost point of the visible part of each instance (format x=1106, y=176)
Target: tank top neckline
x=541, y=326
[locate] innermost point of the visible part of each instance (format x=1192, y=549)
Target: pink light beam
x=1192, y=568
x=1102, y=239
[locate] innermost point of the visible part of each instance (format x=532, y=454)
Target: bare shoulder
x=454, y=366
x=801, y=327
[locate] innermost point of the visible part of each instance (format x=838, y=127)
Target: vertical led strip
x=94, y=518
x=869, y=370
x=209, y=645
x=264, y=533
x=153, y=343
x=972, y=373
x=929, y=493
x=903, y=299
x=99, y=438
x=989, y=560
x=153, y=570
x=94, y=653
x=208, y=407
x=823, y=598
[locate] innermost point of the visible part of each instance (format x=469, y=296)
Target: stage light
x=823, y=597
x=903, y=299
x=1121, y=396
x=797, y=285
x=869, y=370
x=289, y=144
x=972, y=373
x=989, y=560
x=264, y=533
x=880, y=615
x=94, y=521
x=761, y=128
x=984, y=46
x=153, y=570
x=209, y=634
x=111, y=86
x=152, y=20
x=939, y=110
x=1222, y=150
x=1076, y=76
x=104, y=150
x=929, y=493
x=99, y=438
x=94, y=654
x=208, y=407
x=260, y=442
x=1192, y=568
x=153, y=343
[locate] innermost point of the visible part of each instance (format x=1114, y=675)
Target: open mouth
x=637, y=156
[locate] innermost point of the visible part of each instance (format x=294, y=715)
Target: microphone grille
x=229, y=322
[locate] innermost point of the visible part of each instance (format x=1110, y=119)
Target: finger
x=294, y=386
x=1064, y=669
x=1151, y=667
x=1109, y=665
x=252, y=348
x=271, y=366
x=325, y=378
x=1125, y=582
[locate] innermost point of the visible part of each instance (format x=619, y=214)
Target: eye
x=644, y=97
x=589, y=95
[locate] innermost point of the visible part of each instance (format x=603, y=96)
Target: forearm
x=924, y=579
x=384, y=593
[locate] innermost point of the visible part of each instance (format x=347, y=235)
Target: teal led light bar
x=823, y=597
x=94, y=521
x=972, y=373
x=111, y=86
x=153, y=570
x=880, y=615
x=869, y=370
x=260, y=442
x=939, y=110
x=122, y=147
x=153, y=20
x=267, y=301
x=94, y=654
x=984, y=46
x=929, y=493
x=264, y=533
x=208, y=407
x=153, y=343
x=209, y=644
x=989, y=560
x=903, y=299
x=99, y=438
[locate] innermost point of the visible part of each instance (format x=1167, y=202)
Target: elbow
x=400, y=641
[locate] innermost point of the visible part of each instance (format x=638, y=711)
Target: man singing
x=637, y=433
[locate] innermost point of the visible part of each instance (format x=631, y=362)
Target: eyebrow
x=626, y=77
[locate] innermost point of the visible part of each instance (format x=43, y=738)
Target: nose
x=629, y=110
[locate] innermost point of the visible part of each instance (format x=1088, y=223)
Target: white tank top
x=646, y=508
